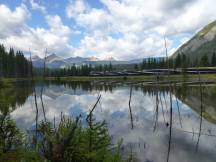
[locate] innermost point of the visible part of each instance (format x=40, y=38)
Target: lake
x=143, y=125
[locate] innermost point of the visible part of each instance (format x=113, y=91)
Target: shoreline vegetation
x=77, y=139
x=80, y=139
x=151, y=78
x=147, y=78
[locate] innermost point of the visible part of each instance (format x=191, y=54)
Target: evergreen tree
x=136, y=67
x=143, y=65
x=204, y=61
x=110, y=67
x=178, y=61
x=213, y=60
x=184, y=61
x=13, y=65
x=196, y=63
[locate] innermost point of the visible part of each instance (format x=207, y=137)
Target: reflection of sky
x=113, y=107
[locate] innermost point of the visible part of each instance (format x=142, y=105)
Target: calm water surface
x=144, y=126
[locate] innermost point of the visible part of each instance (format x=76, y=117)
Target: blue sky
x=122, y=29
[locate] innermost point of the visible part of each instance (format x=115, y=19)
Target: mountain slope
x=53, y=57
x=54, y=61
x=203, y=43
x=37, y=61
x=75, y=60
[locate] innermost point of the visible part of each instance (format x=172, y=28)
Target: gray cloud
x=122, y=29
x=179, y=5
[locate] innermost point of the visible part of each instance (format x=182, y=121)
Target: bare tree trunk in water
x=157, y=105
x=36, y=117
x=156, y=113
x=170, y=130
x=90, y=121
x=35, y=99
x=179, y=114
x=171, y=109
x=165, y=103
x=201, y=112
x=130, y=110
x=162, y=109
x=42, y=87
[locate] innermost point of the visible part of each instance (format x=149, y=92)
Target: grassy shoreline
x=204, y=77
x=194, y=77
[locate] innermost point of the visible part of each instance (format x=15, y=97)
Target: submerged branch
x=201, y=112
x=35, y=100
x=162, y=108
x=171, y=109
x=42, y=86
x=179, y=114
x=130, y=110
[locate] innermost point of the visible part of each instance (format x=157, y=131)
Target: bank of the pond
x=204, y=77
x=151, y=78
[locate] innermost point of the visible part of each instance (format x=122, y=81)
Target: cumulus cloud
x=140, y=24
x=14, y=32
x=123, y=29
x=36, y=6
x=57, y=27
x=127, y=47
x=12, y=21
x=76, y=7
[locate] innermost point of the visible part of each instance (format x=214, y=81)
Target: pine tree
x=136, y=67
x=110, y=66
x=204, y=61
x=12, y=65
x=143, y=65
x=184, y=61
x=178, y=61
x=213, y=60
x=196, y=63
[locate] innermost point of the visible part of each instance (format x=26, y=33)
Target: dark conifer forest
x=13, y=64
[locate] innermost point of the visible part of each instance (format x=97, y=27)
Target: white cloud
x=127, y=47
x=76, y=7
x=56, y=26
x=36, y=6
x=85, y=16
x=141, y=24
x=12, y=21
x=14, y=32
x=123, y=29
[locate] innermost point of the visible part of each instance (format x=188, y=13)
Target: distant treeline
x=83, y=70
x=181, y=61
x=13, y=64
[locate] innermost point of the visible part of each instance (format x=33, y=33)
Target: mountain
x=35, y=58
x=76, y=60
x=54, y=61
x=93, y=58
x=53, y=57
x=110, y=58
x=139, y=61
x=203, y=43
x=37, y=61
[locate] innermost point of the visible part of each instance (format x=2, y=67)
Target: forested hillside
x=201, y=48
x=13, y=64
